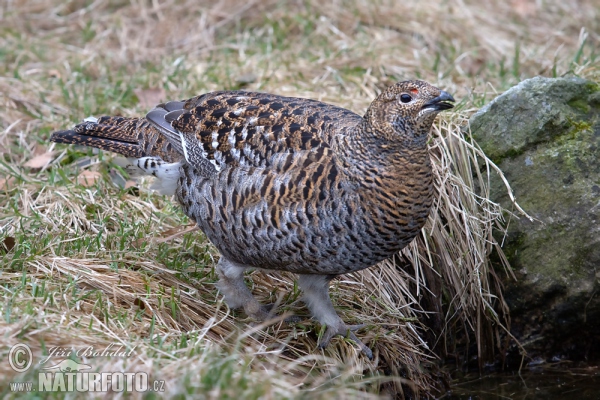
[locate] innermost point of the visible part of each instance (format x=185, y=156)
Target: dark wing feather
x=248, y=128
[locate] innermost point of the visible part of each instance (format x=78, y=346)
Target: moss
x=592, y=87
x=580, y=105
x=580, y=126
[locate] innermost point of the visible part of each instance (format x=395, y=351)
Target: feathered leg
x=316, y=297
x=236, y=293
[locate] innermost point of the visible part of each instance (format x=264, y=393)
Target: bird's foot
x=342, y=329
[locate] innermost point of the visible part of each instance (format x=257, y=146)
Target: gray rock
x=544, y=134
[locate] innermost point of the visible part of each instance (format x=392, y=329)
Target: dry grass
x=88, y=268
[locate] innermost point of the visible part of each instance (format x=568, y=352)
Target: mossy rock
x=544, y=134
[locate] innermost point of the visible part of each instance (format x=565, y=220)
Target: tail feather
x=130, y=137
x=72, y=137
x=147, y=149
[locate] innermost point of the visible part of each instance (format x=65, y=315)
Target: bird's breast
x=396, y=203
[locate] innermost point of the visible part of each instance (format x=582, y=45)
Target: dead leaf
x=525, y=8
x=40, y=161
x=8, y=244
x=246, y=79
x=150, y=97
x=130, y=184
x=166, y=236
x=139, y=302
x=7, y=183
x=175, y=232
x=88, y=178
x=143, y=306
x=140, y=242
x=39, y=150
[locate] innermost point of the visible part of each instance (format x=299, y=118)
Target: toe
x=346, y=331
x=354, y=328
x=366, y=351
x=327, y=336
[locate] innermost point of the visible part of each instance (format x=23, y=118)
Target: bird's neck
x=365, y=151
x=391, y=173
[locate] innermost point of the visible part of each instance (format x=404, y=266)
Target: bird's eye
x=405, y=98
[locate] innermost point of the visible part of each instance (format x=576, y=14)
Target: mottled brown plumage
x=288, y=184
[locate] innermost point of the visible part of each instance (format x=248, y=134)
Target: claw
x=345, y=331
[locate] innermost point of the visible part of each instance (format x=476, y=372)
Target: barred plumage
x=287, y=183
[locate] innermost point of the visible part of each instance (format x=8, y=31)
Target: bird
x=287, y=184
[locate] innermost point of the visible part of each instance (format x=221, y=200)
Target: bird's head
x=406, y=110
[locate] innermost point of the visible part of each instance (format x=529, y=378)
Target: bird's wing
x=247, y=128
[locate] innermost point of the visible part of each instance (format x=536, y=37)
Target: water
x=546, y=383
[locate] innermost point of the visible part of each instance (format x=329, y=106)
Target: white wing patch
x=167, y=174
x=231, y=137
x=183, y=146
x=217, y=161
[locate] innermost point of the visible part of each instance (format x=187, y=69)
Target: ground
x=87, y=257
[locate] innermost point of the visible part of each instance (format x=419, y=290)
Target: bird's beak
x=440, y=103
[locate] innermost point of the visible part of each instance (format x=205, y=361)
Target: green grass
x=89, y=266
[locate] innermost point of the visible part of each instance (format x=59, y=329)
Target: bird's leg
x=236, y=293
x=316, y=297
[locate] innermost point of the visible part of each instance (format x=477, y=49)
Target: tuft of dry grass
x=90, y=265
